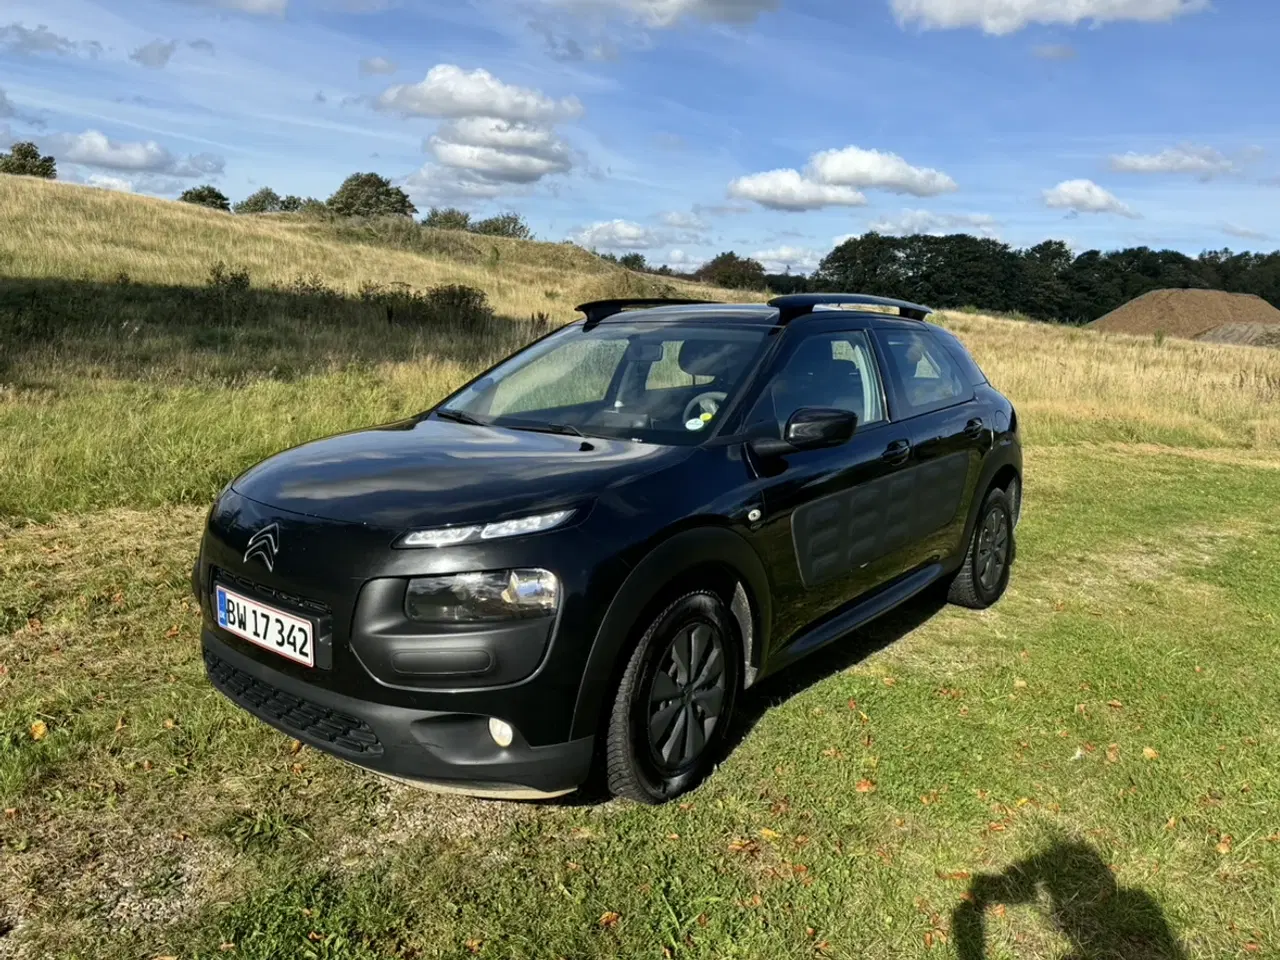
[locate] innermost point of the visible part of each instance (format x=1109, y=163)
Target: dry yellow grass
x=1079, y=384
x=65, y=231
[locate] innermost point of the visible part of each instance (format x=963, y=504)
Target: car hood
x=430, y=473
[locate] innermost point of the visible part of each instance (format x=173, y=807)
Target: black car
x=591, y=550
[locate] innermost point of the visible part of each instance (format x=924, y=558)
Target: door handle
x=974, y=428
x=896, y=452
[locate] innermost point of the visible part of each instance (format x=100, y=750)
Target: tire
x=657, y=746
x=983, y=577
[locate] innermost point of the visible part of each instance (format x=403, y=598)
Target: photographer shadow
x=1080, y=898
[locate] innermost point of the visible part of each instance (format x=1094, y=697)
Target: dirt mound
x=1249, y=334
x=1189, y=314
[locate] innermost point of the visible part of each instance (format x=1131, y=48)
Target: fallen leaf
x=580, y=833
x=1113, y=752
x=702, y=919
x=998, y=910
x=1249, y=947
x=1149, y=753
x=853, y=704
x=686, y=807
x=1171, y=823
x=863, y=717
x=1115, y=704
x=1081, y=708
x=1199, y=669
x=954, y=875
x=865, y=786
x=1019, y=684
x=315, y=937
x=609, y=919
x=832, y=753
x=146, y=764
x=295, y=747
x=1224, y=844
x=673, y=836
x=738, y=845
x=1274, y=838
x=296, y=769
x=928, y=940
x=38, y=730
x=228, y=945
x=473, y=945
x=171, y=632
x=120, y=723
x=810, y=932
x=889, y=681
x=168, y=723
x=769, y=834
x=11, y=812
x=822, y=946
x=667, y=954
x=1023, y=801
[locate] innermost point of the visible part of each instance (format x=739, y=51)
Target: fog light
x=501, y=732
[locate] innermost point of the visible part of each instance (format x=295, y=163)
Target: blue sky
x=681, y=128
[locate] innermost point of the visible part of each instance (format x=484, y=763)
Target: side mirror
x=809, y=428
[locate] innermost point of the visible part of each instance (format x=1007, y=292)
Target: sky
x=683, y=128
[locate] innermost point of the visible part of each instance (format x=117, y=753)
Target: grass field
x=1110, y=729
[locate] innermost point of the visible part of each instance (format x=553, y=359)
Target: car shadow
x=754, y=704
x=1078, y=896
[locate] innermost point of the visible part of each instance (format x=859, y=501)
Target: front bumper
x=431, y=748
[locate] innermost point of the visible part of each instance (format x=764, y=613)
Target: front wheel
x=674, y=702
x=982, y=580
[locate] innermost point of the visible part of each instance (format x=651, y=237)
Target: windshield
x=659, y=383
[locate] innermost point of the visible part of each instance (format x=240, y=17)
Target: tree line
x=1045, y=282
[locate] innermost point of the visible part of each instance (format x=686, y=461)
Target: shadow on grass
x=228, y=330
x=1080, y=899
x=754, y=704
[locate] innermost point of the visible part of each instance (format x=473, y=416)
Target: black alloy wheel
x=675, y=700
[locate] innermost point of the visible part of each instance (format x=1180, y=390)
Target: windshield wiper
x=564, y=429
x=461, y=416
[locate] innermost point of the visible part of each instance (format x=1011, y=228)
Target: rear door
x=934, y=399
x=835, y=526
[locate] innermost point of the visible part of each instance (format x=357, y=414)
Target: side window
x=968, y=366
x=826, y=370
x=924, y=374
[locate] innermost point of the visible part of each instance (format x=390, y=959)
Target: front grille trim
x=304, y=719
x=305, y=605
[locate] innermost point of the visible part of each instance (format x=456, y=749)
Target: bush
x=265, y=200
x=633, y=261
x=206, y=196
x=449, y=304
x=510, y=225
x=24, y=160
x=732, y=271
x=448, y=218
x=292, y=203
x=370, y=195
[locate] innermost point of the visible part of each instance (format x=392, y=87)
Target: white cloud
x=617, y=235
x=678, y=258
x=781, y=259
x=272, y=8
x=1243, y=233
x=449, y=92
x=871, y=169
x=435, y=185
x=95, y=149
x=155, y=54
x=1001, y=17
x=1203, y=161
x=108, y=183
x=379, y=66
x=912, y=222
x=679, y=220
x=20, y=39
x=666, y=13
x=500, y=150
x=1085, y=196
x=789, y=190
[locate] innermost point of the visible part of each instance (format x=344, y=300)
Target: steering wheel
x=708, y=402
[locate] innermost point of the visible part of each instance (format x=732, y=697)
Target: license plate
x=266, y=626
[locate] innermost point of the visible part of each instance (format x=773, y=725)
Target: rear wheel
x=982, y=580
x=674, y=702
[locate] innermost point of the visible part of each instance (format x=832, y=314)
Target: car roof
x=780, y=311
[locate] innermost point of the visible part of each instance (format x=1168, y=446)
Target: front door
x=837, y=526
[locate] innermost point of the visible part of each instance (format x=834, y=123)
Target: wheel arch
x=1001, y=470
x=705, y=556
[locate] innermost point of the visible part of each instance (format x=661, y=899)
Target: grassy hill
x=1109, y=729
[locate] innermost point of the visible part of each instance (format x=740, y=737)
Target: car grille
x=313, y=607
x=294, y=715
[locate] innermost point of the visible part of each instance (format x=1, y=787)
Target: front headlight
x=452, y=536
x=483, y=597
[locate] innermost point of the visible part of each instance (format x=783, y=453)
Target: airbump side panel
x=839, y=533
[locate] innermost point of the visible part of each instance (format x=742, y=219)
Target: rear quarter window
x=969, y=368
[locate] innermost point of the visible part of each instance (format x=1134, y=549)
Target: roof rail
x=799, y=304
x=598, y=310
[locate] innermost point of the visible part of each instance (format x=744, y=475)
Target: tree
x=447, y=218
x=370, y=195
x=265, y=200
x=633, y=261
x=292, y=203
x=504, y=225
x=733, y=271
x=24, y=160
x=207, y=196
